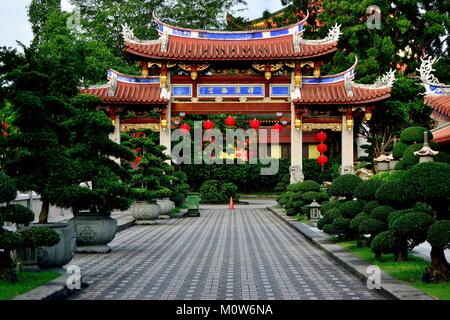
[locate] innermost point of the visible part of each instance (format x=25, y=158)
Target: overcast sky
x=14, y=22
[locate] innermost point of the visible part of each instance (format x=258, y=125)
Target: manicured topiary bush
x=412, y=227
x=320, y=224
x=291, y=212
x=324, y=196
x=284, y=197
x=410, y=159
x=400, y=165
x=310, y=196
x=438, y=235
x=395, y=193
x=396, y=214
x=381, y=213
x=329, y=228
x=214, y=191
x=351, y=208
x=341, y=228
x=414, y=135
x=309, y=185
x=332, y=204
x=297, y=196
x=280, y=187
x=399, y=149
x=369, y=206
x=298, y=205
x=294, y=187
x=229, y=189
x=330, y=215
x=345, y=185
x=372, y=226
x=305, y=209
x=366, y=190
x=442, y=157
x=384, y=243
x=354, y=225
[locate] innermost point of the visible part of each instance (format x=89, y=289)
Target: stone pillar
x=296, y=168
x=346, y=147
x=165, y=135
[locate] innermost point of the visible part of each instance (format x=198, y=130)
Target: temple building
x=437, y=96
x=274, y=74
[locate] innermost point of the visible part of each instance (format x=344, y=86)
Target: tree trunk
x=45, y=209
x=440, y=269
x=401, y=255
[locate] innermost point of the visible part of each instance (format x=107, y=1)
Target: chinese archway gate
x=273, y=71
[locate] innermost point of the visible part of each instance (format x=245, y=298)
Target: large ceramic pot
x=61, y=253
x=94, y=231
x=166, y=205
x=145, y=213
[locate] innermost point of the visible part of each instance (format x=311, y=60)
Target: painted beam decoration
x=131, y=79
x=209, y=90
x=182, y=90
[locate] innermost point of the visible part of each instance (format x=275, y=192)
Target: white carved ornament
x=426, y=75
x=128, y=36
x=333, y=36
x=384, y=81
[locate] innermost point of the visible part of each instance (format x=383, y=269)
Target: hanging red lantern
x=322, y=148
x=255, y=124
x=138, y=160
x=185, y=128
x=321, y=136
x=140, y=135
x=5, y=134
x=208, y=124
x=230, y=121
x=277, y=127
x=138, y=150
x=322, y=160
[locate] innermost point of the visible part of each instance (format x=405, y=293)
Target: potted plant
x=24, y=237
x=150, y=176
x=99, y=184
x=34, y=154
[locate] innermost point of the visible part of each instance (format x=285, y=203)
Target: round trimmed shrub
x=294, y=187
x=284, y=198
x=297, y=196
x=341, y=226
x=309, y=185
x=356, y=221
x=210, y=192
x=381, y=213
x=320, y=224
x=286, y=179
x=400, y=166
x=305, y=209
x=329, y=228
x=442, y=157
x=395, y=193
x=310, y=196
x=414, y=135
x=298, y=205
x=398, y=150
x=280, y=187
x=396, y=214
x=371, y=226
x=430, y=182
x=230, y=190
x=330, y=205
x=324, y=196
x=409, y=158
x=345, y=185
x=351, y=208
x=17, y=213
x=367, y=189
x=291, y=212
x=412, y=226
x=385, y=242
x=369, y=206
x=330, y=215
x=438, y=234
x=8, y=190
x=39, y=236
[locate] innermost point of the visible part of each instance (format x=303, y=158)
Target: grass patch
x=27, y=281
x=301, y=218
x=410, y=271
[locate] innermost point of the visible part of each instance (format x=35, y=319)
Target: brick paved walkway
x=247, y=254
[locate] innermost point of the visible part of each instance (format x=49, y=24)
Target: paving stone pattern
x=246, y=254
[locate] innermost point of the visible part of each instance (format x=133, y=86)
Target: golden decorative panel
x=322, y=126
x=139, y=126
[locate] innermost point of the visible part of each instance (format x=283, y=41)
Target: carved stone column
x=296, y=168
x=347, y=144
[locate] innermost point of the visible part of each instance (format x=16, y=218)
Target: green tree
x=38, y=12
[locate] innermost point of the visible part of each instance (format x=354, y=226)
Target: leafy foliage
x=345, y=185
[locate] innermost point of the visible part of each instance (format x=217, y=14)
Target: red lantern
x=321, y=136
x=208, y=124
x=5, y=134
x=138, y=150
x=185, y=128
x=138, y=160
x=277, y=127
x=255, y=124
x=322, y=160
x=322, y=148
x=230, y=121
x=140, y=135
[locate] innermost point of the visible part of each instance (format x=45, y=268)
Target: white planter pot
x=145, y=213
x=94, y=231
x=166, y=205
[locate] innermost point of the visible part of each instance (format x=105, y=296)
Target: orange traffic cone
x=231, y=204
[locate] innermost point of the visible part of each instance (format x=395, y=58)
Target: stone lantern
x=382, y=162
x=425, y=154
x=314, y=211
